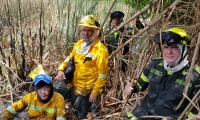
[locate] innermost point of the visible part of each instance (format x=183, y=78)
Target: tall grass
x=39, y=32
x=44, y=31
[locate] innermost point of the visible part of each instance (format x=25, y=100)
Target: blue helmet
x=42, y=77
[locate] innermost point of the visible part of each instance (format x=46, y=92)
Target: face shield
x=169, y=38
x=172, y=36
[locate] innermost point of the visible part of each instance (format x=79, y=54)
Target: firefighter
x=91, y=68
x=41, y=104
x=119, y=37
x=166, y=78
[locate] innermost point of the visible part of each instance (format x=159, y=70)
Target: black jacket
x=113, y=40
x=165, y=90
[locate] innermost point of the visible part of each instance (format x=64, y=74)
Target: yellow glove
x=131, y=116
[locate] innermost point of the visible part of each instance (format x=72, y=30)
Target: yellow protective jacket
x=52, y=110
x=91, y=69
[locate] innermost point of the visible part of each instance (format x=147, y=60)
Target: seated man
x=43, y=103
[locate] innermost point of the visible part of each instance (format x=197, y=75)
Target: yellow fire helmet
x=178, y=31
x=89, y=21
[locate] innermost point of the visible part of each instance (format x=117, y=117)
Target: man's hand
x=92, y=98
x=129, y=88
x=60, y=76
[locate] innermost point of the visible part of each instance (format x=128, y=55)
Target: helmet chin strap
x=183, y=53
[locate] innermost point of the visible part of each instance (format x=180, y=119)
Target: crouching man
x=43, y=103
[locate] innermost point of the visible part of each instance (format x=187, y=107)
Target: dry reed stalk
x=22, y=68
x=193, y=103
x=192, y=64
x=153, y=22
x=4, y=95
x=151, y=51
x=40, y=33
x=157, y=117
x=186, y=109
x=102, y=25
x=190, y=73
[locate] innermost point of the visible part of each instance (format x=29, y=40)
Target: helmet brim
x=42, y=77
x=82, y=25
x=169, y=38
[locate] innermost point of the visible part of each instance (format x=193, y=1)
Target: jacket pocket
x=153, y=88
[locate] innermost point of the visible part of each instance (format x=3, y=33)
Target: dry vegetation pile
x=35, y=32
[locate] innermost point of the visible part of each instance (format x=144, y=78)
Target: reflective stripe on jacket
x=114, y=40
x=91, y=69
x=54, y=109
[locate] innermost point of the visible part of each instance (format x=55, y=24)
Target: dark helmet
x=173, y=36
x=117, y=14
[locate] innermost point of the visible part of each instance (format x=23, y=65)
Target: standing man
x=91, y=68
x=114, y=40
x=119, y=37
x=42, y=104
x=116, y=18
x=166, y=78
